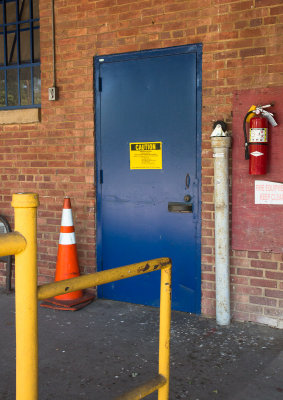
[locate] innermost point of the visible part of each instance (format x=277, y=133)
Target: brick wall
x=242, y=48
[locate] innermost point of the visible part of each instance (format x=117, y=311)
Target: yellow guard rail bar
x=22, y=243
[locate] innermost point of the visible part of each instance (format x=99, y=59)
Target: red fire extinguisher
x=256, y=148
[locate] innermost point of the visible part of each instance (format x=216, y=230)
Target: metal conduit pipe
x=53, y=93
x=53, y=44
x=220, y=146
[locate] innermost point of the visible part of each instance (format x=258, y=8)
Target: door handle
x=180, y=207
x=187, y=183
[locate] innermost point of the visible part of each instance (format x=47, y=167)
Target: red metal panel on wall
x=256, y=226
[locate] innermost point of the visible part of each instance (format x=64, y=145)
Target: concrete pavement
x=108, y=347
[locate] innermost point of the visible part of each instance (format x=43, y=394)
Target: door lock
x=180, y=207
x=187, y=197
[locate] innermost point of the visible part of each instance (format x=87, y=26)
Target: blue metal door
x=148, y=170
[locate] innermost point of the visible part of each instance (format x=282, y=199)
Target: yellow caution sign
x=146, y=155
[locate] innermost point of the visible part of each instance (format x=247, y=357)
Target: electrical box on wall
x=53, y=93
x=256, y=223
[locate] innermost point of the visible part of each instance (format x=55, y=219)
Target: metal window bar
x=20, y=22
x=17, y=39
x=22, y=243
x=5, y=49
x=31, y=48
x=17, y=36
x=16, y=42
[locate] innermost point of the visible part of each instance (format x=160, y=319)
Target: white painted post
x=220, y=146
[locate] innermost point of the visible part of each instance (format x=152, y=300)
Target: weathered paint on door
x=142, y=98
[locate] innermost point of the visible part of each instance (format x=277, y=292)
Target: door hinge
x=101, y=176
x=100, y=84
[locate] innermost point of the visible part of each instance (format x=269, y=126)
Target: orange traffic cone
x=67, y=265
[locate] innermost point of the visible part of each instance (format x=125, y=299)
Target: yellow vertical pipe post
x=25, y=208
x=164, y=331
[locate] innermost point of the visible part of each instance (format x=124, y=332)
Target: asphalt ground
x=105, y=349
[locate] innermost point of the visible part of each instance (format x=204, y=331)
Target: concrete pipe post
x=220, y=146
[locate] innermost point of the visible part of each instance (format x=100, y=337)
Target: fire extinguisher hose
x=247, y=155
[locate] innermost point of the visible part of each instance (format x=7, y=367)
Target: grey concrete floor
x=109, y=347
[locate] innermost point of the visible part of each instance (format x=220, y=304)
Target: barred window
x=20, y=85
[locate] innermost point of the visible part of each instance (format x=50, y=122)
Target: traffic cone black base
x=69, y=303
x=75, y=307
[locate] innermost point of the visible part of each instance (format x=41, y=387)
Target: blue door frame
x=196, y=51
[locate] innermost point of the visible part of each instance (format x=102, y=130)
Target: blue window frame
x=20, y=84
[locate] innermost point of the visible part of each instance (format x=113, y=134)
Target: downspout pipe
x=220, y=146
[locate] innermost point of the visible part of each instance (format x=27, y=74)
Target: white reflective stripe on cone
x=67, y=218
x=67, y=238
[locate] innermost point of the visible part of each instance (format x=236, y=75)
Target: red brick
x=240, y=253
x=249, y=272
x=242, y=5
x=240, y=262
x=206, y=250
x=208, y=285
x=208, y=294
x=266, y=3
x=177, y=7
x=256, y=22
x=264, y=301
x=240, y=316
x=225, y=55
x=276, y=10
x=274, y=275
x=249, y=308
x=253, y=52
x=208, y=307
x=205, y=267
x=239, y=298
x=277, y=257
x=252, y=32
x=264, y=283
x=253, y=254
x=208, y=277
x=266, y=256
x=269, y=20
x=275, y=68
x=263, y=264
x=241, y=24
x=239, y=280
x=274, y=293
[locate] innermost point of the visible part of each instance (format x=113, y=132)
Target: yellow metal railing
x=22, y=243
